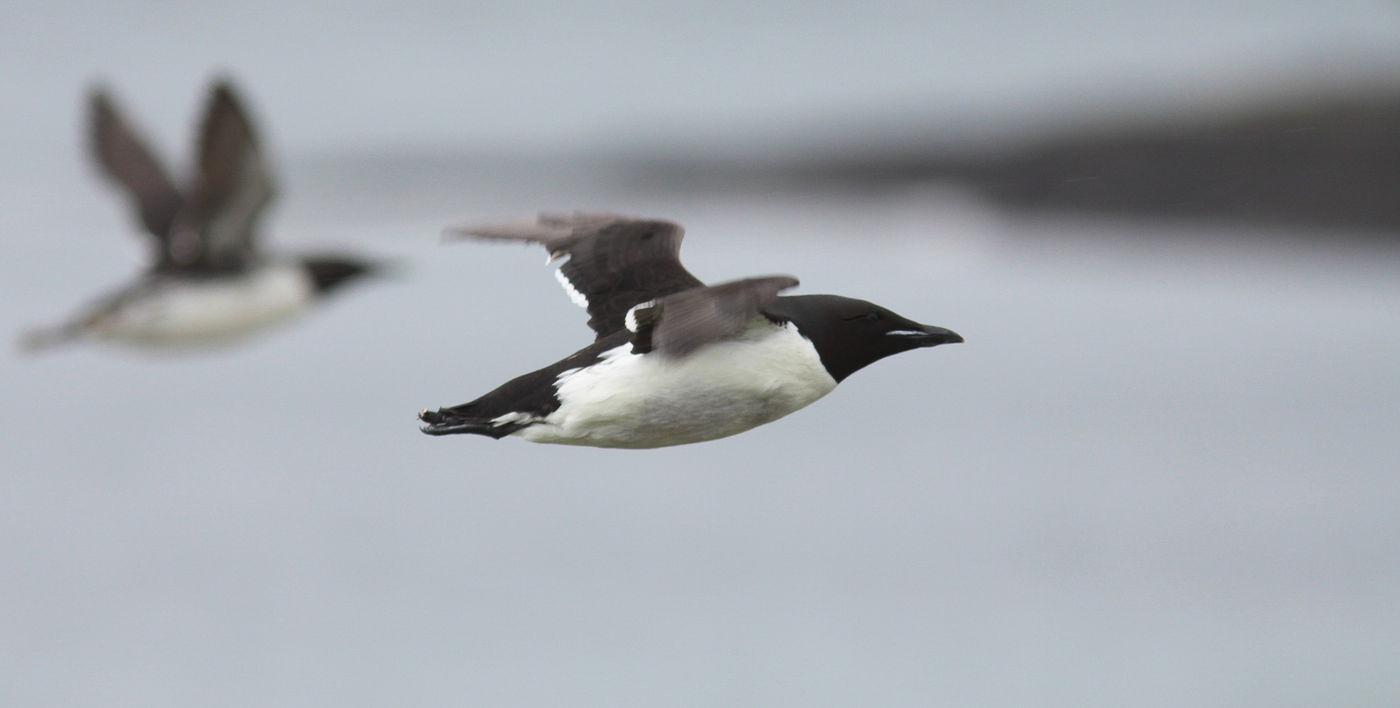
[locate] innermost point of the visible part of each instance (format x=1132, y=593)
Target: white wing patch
x=513, y=417
x=574, y=295
x=630, y=321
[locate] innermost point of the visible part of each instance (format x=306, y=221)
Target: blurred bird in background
x=208, y=281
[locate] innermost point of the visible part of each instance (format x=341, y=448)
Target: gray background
x=1161, y=472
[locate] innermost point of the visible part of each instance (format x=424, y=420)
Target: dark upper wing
x=232, y=185
x=125, y=159
x=614, y=262
x=681, y=323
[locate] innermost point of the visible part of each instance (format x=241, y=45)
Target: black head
x=330, y=272
x=851, y=334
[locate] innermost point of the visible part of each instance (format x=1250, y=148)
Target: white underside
x=727, y=387
x=181, y=312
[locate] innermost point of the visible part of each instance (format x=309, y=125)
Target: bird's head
x=850, y=334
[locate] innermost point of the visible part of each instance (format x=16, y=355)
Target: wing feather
x=678, y=324
x=233, y=184
x=127, y=161
x=613, y=262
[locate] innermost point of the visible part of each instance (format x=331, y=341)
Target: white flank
x=574, y=295
x=175, y=312
x=649, y=400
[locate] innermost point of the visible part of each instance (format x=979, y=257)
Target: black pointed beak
x=927, y=336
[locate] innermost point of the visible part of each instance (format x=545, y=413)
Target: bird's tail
x=38, y=339
x=455, y=420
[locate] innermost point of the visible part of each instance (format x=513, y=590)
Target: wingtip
x=524, y=230
x=221, y=80
x=102, y=114
x=778, y=281
x=468, y=232
x=224, y=113
x=543, y=227
x=99, y=95
x=38, y=339
x=222, y=89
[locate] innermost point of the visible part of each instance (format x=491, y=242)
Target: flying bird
x=674, y=361
x=207, y=281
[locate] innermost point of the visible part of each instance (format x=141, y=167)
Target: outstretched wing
x=125, y=159
x=679, y=324
x=614, y=262
x=232, y=185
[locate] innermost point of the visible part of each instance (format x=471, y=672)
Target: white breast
x=640, y=401
x=174, y=312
